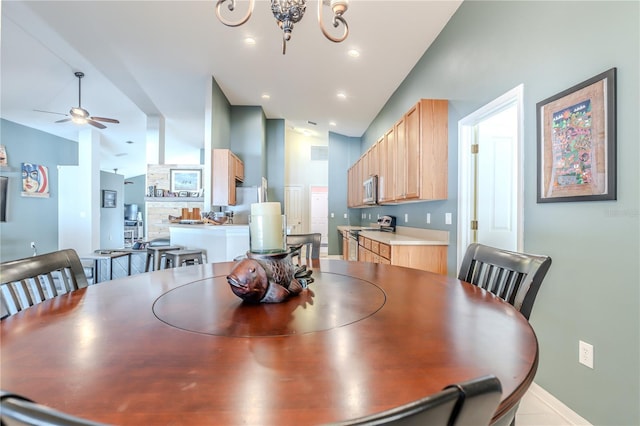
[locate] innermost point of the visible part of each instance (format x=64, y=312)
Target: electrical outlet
x=332, y=215
x=369, y=216
x=428, y=217
x=345, y=216
x=447, y=218
x=406, y=217
x=585, y=354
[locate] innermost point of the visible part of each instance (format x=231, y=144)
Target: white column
x=155, y=139
x=79, y=197
x=208, y=127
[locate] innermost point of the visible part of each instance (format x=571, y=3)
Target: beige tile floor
x=535, y=412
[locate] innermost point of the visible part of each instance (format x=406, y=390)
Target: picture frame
x=185, y=179
x=109, y=199
x=159, y=192
x=576, y=142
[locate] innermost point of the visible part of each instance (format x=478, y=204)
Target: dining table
x=178, y=347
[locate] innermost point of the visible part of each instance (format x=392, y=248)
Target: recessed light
x=121, y=154
x=341, y=95
x=249, y=41
x=266, y=96
x=353, y=53
x=129, y=142
x=332, y=123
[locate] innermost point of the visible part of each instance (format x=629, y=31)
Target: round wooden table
x=177, y=347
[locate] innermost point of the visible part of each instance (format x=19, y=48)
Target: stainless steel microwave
x=370, y=190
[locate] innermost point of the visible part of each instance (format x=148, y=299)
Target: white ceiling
x=145, y=58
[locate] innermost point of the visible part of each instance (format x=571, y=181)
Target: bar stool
x=173, y=259
x=155, y=254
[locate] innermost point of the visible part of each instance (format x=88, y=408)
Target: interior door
x=320, y=212
x=490, y=201
x=294, y=209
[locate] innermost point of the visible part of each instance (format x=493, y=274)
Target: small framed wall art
x=577, y=142
x=109, y=198
x=185, y=180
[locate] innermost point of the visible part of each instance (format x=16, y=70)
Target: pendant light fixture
x=289, y=12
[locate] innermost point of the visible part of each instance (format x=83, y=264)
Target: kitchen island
x=221, y=243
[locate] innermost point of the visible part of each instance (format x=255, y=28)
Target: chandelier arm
x=232, y=5
x=337, y=19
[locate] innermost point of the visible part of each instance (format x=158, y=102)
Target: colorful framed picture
x=577, y=142
x=35, y=180
x=185, y=180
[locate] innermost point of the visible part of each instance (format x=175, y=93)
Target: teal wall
x=31, y=219
x=343, y=152
x=248, y=141
x=275, y=160
x=591, y=292
x=220, y=118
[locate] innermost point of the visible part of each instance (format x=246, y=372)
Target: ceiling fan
x=80, y=115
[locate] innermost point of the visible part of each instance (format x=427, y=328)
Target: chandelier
x=289, y=12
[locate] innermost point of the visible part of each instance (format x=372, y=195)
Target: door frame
x=466, y=138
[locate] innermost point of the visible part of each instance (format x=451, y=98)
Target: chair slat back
x=437, y=410
x=17, y=410
x=480, y=400
x=309, y=242
x=26, y=282
x=514, y=277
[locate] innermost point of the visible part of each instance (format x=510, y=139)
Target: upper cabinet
x=410, y=159
x=226, y=169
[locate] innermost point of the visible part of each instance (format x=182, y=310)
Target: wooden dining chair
x=469, y=403
x=480, y=400
x=514, y=277
x=25, y=282
x=309, y=242
x=16, y=410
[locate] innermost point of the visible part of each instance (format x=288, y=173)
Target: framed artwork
x=185, y=180
x=109, y=198
x=577, y=142
x=35, y=180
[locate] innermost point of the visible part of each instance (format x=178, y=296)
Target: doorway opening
x=490, y=175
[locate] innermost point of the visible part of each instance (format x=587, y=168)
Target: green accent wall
x=591, y=292
x=248, y=142
x=275, y=160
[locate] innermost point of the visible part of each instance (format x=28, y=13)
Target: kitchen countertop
x=209, y=225
x=404, y=235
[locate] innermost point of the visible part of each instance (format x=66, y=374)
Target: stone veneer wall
x=158, y=209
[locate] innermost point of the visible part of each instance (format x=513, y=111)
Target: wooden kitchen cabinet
x=226, y=169
x=411, y=158
x=432, y=258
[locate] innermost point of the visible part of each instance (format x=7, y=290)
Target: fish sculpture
x=267, y=278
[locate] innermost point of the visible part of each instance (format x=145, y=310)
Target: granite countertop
x=404, y=236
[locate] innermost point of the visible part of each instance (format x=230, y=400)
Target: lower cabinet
x=432, y=258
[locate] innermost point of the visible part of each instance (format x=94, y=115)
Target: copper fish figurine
x=267, y=279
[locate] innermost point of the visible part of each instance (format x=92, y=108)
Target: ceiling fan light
x=79, y=120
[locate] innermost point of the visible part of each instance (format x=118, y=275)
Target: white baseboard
x=556, y=405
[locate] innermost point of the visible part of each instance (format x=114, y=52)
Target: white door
x=490, y=206
x=294, y=209
x=320, y=212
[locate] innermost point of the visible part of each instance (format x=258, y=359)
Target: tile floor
x=533, y=411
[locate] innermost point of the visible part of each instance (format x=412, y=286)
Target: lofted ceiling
x=154, y=58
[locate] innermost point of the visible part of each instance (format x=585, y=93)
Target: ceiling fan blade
x=96, y=124
x=51, y=112
x=64, y=120
x=106, y=120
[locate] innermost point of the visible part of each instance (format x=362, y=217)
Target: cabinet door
x=382, y=169
x=238, y=169
x=413, y=153
x=401, y=160
x=390, y=185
